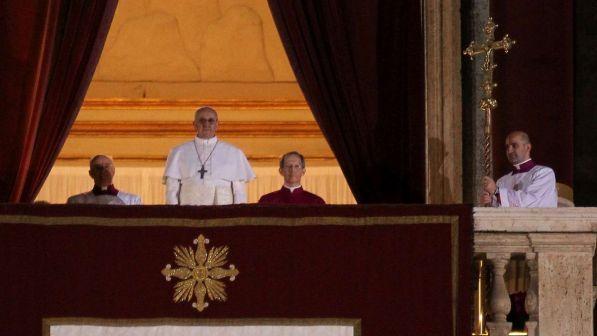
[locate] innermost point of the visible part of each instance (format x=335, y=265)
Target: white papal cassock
x=226, y=170
x=528, y=186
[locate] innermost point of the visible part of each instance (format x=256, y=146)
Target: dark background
x=585, y=102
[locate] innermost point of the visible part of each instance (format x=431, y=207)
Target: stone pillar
x=531, y=303
x=473, y=119
x=443, y=101
x=499, y=300
x=565, y=287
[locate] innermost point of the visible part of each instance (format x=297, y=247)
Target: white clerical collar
x=520, y=164
x=206, y=142
x=292, y=188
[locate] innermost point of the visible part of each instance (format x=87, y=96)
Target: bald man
x=206, y=170
x=101, y=170
x=528, y=185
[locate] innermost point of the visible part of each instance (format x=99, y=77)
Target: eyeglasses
x=207, y=121
x=292, y=167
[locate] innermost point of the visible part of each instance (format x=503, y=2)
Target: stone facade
x=559, y=245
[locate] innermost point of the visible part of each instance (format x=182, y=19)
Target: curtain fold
x=49, y=52
x=360, y=65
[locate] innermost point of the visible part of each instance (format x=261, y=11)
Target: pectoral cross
x=488, y=103
x=202, y=171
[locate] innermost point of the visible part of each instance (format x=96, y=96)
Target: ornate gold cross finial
x=488, y=103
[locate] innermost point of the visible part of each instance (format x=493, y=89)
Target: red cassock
x=285, y=196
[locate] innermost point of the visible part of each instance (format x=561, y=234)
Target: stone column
x=565, y=287
x=443, y=101
x=531, y=303
x=500, y=300
x=473, y=119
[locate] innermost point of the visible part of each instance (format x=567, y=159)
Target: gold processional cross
x=488, y=103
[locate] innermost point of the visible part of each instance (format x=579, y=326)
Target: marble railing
x=558, y=245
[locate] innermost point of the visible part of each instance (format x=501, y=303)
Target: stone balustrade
x=558, y=245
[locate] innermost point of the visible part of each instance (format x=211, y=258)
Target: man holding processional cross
x=206, y=171
x=528, y=185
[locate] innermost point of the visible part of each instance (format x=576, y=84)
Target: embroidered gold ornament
x=200, y=273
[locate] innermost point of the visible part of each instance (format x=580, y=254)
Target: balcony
x=557, y=246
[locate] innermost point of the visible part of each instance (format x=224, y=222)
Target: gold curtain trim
x=47, y=323
x=227, y=222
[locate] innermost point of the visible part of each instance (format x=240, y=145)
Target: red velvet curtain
x=360, y=65
x=49, y=52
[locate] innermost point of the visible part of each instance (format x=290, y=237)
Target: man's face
x=206, y=124
x=517, y=149
x=102, y=171
x=292, y=171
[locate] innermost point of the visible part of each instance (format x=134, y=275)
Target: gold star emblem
x=200, y=273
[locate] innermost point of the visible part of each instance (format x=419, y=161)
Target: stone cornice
x=245, y=129
x=563, y=242
x=66, y=158
x=160, y=104
x=486, y=242
x=535, y=220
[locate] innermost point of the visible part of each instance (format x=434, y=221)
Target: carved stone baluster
x=500, y=300
x=531, y=303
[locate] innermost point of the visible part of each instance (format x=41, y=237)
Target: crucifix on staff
x=488, y=103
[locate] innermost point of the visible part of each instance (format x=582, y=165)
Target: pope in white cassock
x=206, y=171
x=529, y=185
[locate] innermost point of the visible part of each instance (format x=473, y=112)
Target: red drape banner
x=49, y=52
x=361, y=68
x=400, y=270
